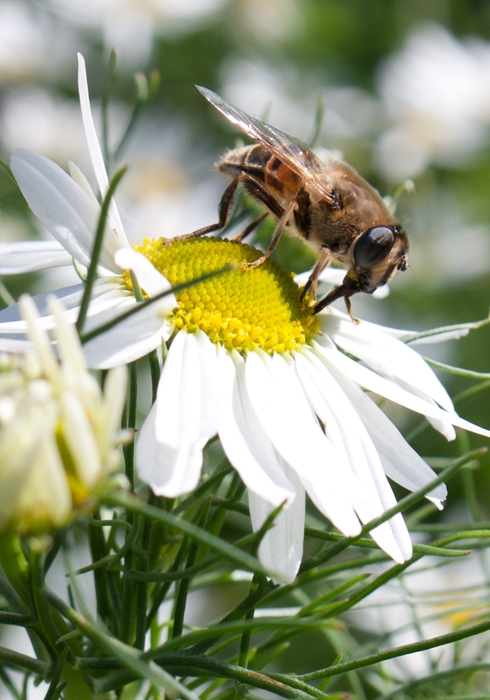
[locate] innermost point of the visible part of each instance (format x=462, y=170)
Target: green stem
x=131, y=422
x=155, y=374
x=85, y=337
x=183, y=586
x=24, y=663
x=402, y=505
x=96, y=250
x=5, y=297
x=15, y=566
x=228, y=551
x=403, y=650
x=247, y=635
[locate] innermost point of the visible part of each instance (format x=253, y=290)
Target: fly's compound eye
x=373, y=246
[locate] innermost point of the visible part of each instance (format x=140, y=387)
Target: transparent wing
x=296, y=154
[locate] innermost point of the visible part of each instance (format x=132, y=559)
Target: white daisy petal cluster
x=436, y=91
x=299, y=423
x=58, y=430
x=283, y=389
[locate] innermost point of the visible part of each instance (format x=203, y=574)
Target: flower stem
x=96, y=250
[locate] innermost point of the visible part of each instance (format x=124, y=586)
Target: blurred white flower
x=58, y=430
x=289, y=98
x=23, y=43
x=33, y=45
x=133, y=24
x=436, y=92
x=57, y=130
x=267, y=20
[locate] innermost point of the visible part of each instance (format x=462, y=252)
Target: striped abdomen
x=278, y=178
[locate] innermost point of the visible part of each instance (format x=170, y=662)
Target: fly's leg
x=254, y=187
x=224, y=210
x=282, y=223
x=322, y=262
x=251, y=227
x=348, y=305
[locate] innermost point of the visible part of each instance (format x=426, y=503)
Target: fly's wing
x=296, y=154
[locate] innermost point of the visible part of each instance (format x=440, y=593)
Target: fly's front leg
x=348, y=306
x=322, y=262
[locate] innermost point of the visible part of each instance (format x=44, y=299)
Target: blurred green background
x=406, y=86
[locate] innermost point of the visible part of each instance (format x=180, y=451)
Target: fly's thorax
x=350, y=208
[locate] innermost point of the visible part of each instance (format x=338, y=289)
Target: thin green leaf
x=85, y=337
x=317, y=126
x=228, y=551
x=396, y=652
x=471, y=374
x=97, y=249
x=55, y=689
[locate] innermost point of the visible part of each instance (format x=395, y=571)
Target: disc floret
x=242, y=309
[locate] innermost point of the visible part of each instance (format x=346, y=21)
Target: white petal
x=150, y=280
x=330, y=275
x=46, y=492
x=62, y=206
x=82, y=181
x=16, y=346
x=244, y=440
x=400, y=462
x=29, y=256
x=188, y=397
x=386, y=355
x=333, y=277
x=80, y=439
x=127, y=341
x=281, y=549
x=96, y=152
x=113, y=400
x=279, y=401
x=348, y=434
x=169, y=472
x=105, y=295
x=40, y=340
x=69, y=348
x=379, y=385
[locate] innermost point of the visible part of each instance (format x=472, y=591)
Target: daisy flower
x=58, y=430
x=283, y=389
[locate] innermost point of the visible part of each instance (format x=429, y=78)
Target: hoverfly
x=330, y=206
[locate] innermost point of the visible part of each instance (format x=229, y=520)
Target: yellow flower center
x=243, y=309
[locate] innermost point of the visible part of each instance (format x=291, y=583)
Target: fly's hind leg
x=251, y=227
x=255, y=188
